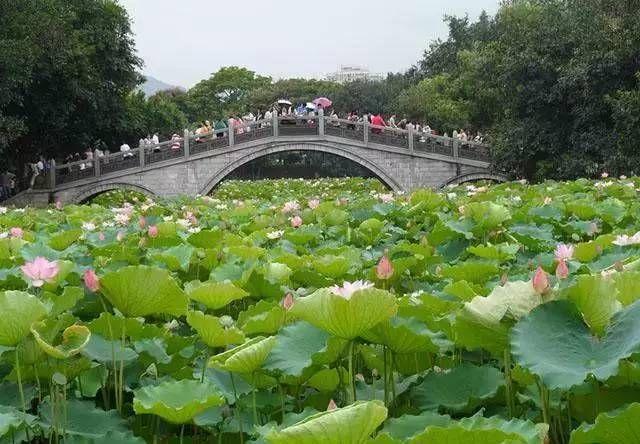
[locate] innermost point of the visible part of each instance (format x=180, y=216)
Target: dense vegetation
x=555, y=84
x=493, y=314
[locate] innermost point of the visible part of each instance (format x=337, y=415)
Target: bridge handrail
x=303, y=126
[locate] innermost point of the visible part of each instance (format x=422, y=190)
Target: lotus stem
x=392, y=380
x=352, y=391
x=182, y=434
x=253, y=399
x=204, y=365
x=19, y=377
x=509, y=383
x=237, y=409
x=386, y=389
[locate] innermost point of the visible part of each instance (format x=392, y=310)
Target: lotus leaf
x=177, y=402
x=245, y=358
x=74, y=339
x=513, y=300
x=349, y=425
x=460, y=389
x=212, y=332
x=142, y=291
x=83, y=419
x=619, y=426
x=18, y=310
x=346, y=318
x=407, y=335
x=262, y=318
x=596, y=298
x=554, y=343
x=214, y=295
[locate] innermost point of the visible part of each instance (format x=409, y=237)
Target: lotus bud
x=101, y=236
x=120, y=236
x=142, y=222
x=16, y=232
x=296, y=221
x=287, y=302
x=332, y=406
x=153, y=231
x=384, y=269
x=540, y=281
x=562, y=271
x=503, y=279
x=91, y=280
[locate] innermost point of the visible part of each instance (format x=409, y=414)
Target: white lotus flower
x=290, y=207
x=3, y=210
x=4, y=235
x=167, y=218
x=122, y=218
x=88, y=226
x=349, y=288
x=386, y=198
x=183, y=223
x=221, y=207
x=275, y=234
x=623, y=240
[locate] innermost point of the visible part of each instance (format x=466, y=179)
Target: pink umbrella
x=323, y=102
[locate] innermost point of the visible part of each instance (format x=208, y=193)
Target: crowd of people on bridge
x=305, y=113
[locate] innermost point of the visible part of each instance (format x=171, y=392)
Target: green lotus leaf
x=245, y=358
x=628, y=286
x=64, y=239
x=175, y=258
x=478, y=429
x=349, y=425
x=397, y=430
x=206, y=238
x=82, y=418
x=534, y=237
x=596, y=298
x=74, y=339
x=619, y=426
x=142, y=291
x=102, y=350
x=554, y=343
x=64, y=302
x=214, y=295
x=461, y=389
x=10, y=421
x=296, y=344
x=18, y=310
x=334, y=267
x=487, y=215
x=501, y=252
x=407, y=335
x=328, y=379
x=346, y=318
x=473, y=271
x=513, y=300
x=109, y=438
x=474, y=333
x=262, y=318
x=177, y=402
x=463, y=290
x=211, y=330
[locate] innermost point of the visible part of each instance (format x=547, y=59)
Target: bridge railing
x=279, y=126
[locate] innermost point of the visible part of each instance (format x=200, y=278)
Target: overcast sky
x=184, y=41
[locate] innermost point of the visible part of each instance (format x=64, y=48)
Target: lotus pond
x=329, y=311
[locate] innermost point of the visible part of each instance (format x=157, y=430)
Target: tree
x=69, y=66
x=157, y=114
x=223, y=94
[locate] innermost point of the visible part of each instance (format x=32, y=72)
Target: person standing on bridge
x=155, y=140
x=377, y=121
x=125, y=150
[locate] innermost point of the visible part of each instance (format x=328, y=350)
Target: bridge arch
x=473, y=177
x=94, y=191
x=380, y=174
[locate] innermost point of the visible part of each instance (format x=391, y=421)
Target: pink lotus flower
x=386, y=198
x=296, y=222
x=562, y=270
x=191, y=218
x=314, y=203
x=540, y=281
x=349, y=288
x=287, y=302
x=384, y=269
x=142, y=222
x=290, y=207
x=564, y=252
x=16, y=232
x=153, y=231
x=101, y=236
x=40, y=271
x=91, y=280
x=332, y=406
x=604, y=175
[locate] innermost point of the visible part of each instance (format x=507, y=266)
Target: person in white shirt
x=125, y=149
x=155, y=141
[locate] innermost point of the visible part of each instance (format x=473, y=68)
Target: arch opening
x=121, y=192
x=475, y=177
x=310, y=162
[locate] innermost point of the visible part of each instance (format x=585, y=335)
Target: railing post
x=96, y=163
x=141, y=152
x=52, y=174
x=185, y=143
x=412, y=140
x=232, y=133
x=321, y=122
x=365, y=130
x=456, y=154
x=275, y=123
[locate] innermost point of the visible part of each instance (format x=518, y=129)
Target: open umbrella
x=323, y=102
x=284, y=102
x=311, y=105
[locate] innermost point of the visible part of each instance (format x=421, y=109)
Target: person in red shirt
x=377, y=120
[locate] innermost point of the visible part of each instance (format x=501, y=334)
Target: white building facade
x=350, y=73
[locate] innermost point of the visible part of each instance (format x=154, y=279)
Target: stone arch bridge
x=401, y=159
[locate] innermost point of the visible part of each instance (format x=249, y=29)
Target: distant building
x=346, y=74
